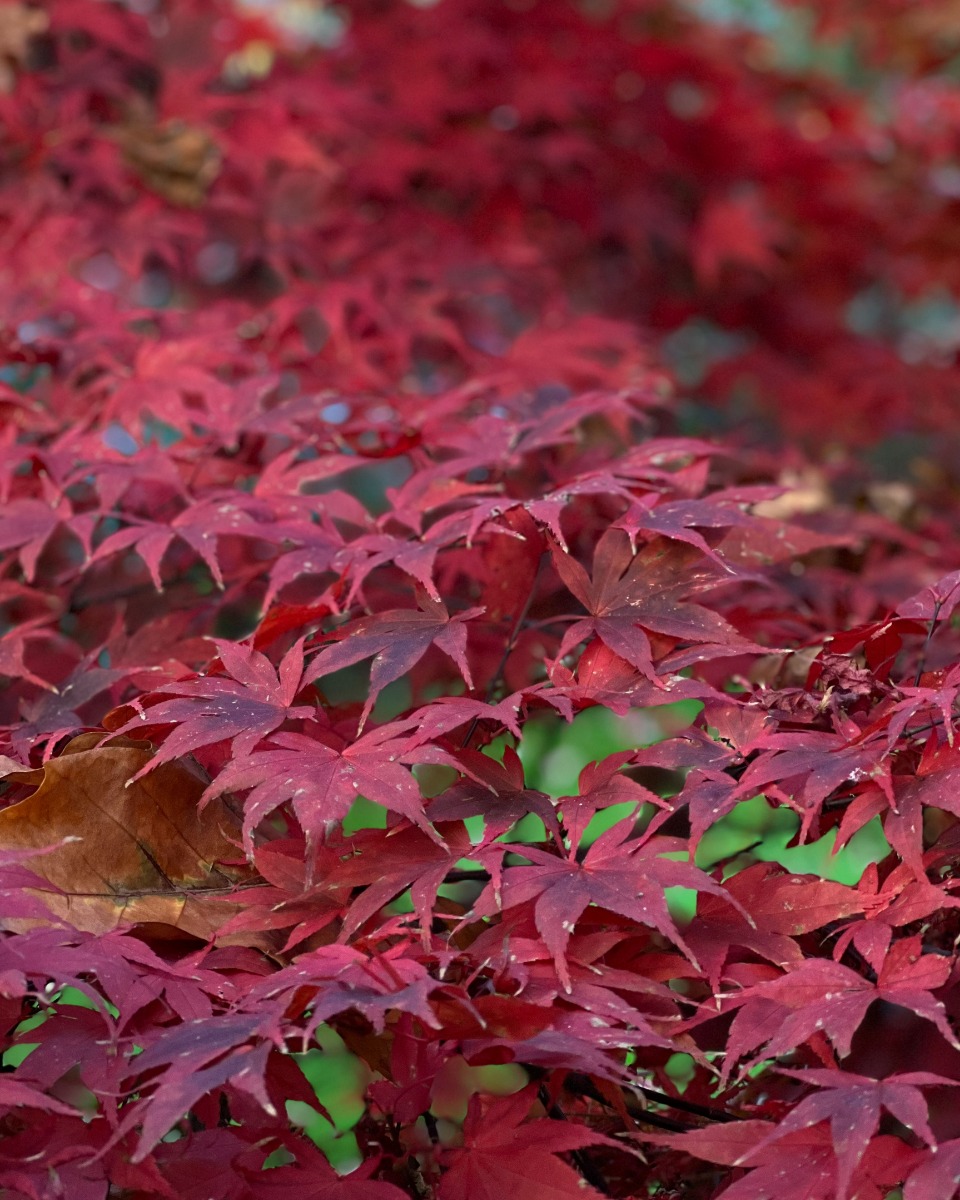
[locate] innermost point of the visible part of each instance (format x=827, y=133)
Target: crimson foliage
x=335, y=453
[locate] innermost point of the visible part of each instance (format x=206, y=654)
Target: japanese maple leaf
x=733, y=229
x=900, y=900
x=810, y=765
x=54, y=714
x=628, y=879
x=15, y=1095
x=632, y=593
x=902, y=802
x=416, y=861
x=13, y=648
x=603, y=677
x=903, y=824
x=781, y=907
x=820, y=996
x=852, y=1104
x=600, y=785
x=322, y=781
x=200, y=526
x=396, y=639
x=799, y=1166
x=935, y=602
x=333, y=979
x=27, y=526
x=939, y=700
x=242, y=706
x=146, y=469
x=938, y=1175
x=187, y=1079
x=416, y=556
x=504, y=1155
x=680, y=520
x=314, y=1179
x=496, y=791
x=525, y=963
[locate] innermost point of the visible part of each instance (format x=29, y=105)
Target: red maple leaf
x=252, y=700
x=321, y=780
x=616, y=873
x=396, y=639
x=852, y=1104
x=816, y=996
x=503, y=1154
x=630, y=594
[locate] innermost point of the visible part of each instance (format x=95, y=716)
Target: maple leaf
x=14, y=1094
x=503, y=1153
x=938, y=1175
x=852, y=1104
x=629, y=594
x=903, y=809
x=55, y=713
x=681, y=521
x=186, y=1082
x=616, y=873
x=14, y=645
x=801, y=1165
x=243, y=707
x=817, y=995
x=201, y=526
x=936, y=602
x=27, y=526
x=940, y=699
x=525, y=962
x=314, y=1179
x=419, y=863
x=397, y=639
x=782, y=907
x=600, y=785
x=810, y=765
x=733, y=229
x=333, y=979
x=321, y=781
x=494, y=790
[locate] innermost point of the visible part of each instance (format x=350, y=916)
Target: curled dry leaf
x=19, y=25
x=806, y=491
x=140, y=852
x=176, y=160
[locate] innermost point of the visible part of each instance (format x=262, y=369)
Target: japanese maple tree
x=381, y=384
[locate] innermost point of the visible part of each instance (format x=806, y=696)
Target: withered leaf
x=20, y=25
x=176, y=160
x=141, y=851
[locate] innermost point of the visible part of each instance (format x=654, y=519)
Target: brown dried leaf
x=19, y=25
x=807, y=491
x=144, y=853
x=177, y=161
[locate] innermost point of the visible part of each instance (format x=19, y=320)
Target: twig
x=582, y=1160
x=583, y=1086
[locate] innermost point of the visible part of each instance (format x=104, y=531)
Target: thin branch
x=582, y=1085
x=582, y=1160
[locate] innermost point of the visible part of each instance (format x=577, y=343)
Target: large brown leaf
x=142, y=851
